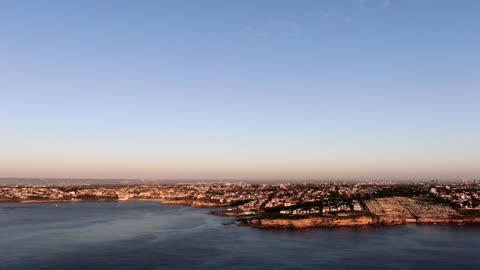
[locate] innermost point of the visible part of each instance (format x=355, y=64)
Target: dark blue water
x=148, y=235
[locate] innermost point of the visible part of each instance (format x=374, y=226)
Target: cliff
x=453, y=220
x=177, y=202
x=312, y=222
x=231, y=214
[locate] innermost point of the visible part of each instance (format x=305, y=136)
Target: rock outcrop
x=312, y=222
x=367, y=220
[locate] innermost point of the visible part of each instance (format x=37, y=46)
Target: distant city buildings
x=289, y=199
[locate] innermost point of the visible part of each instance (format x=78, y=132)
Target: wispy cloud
x=323, y=15
x=418, y=3
x=387, y=4
x=290, y=28
x=283, y=28
x=252, y=33
x=376, y=4
x=272, y=28
x=329, y=15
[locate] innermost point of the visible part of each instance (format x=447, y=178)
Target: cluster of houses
x=300, y=211
x=464, y=195
x=340, y=207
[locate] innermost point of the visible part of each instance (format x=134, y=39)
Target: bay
x=149, y=235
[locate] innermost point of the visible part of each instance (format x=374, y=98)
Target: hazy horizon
x=138, y=181
x=355, y=89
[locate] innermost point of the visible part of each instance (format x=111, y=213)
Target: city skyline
x=359, y=89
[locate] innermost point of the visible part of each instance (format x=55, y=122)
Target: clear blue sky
x=240, y=89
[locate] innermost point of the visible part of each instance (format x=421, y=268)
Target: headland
x=287, y=205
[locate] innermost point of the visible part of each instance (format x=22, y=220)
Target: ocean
x=149, y=235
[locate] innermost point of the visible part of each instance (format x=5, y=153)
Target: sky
x=321, y=89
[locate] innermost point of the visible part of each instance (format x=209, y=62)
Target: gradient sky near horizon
x=240, y=89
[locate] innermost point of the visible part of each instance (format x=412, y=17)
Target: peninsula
x=287, y=205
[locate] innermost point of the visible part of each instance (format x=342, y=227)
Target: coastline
x=256, y=221
x=362, y=221
x=192, y=203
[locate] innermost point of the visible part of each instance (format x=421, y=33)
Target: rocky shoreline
x=262, y=222
x=367, y=220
